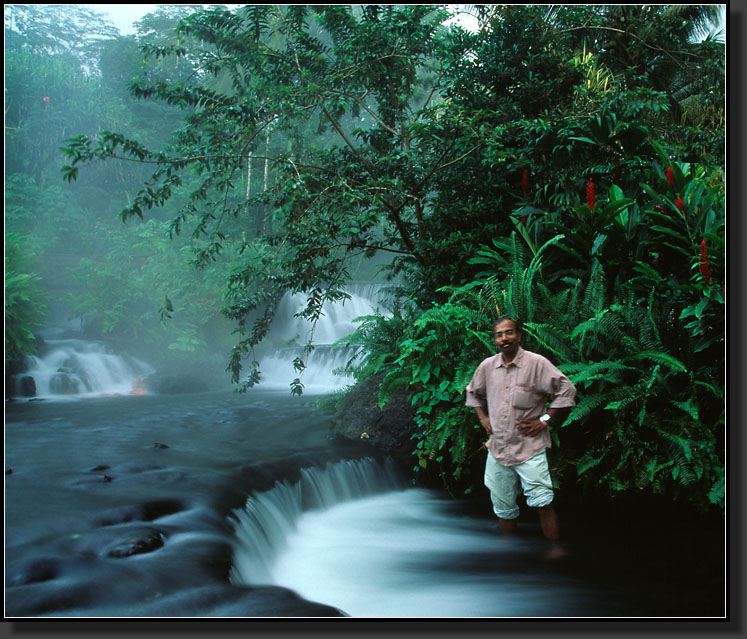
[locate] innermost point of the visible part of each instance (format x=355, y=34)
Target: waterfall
x=264, y=525
x=353, y=537
x=78, y=368
x=290, y=334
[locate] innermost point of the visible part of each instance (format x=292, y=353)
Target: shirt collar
x=516, y=360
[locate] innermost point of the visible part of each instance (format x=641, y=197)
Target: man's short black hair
x=508, y=318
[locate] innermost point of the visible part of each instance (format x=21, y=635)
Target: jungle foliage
x=66, y=71
x=563, y=164
x=24, y=306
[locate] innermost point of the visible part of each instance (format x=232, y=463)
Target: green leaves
x=24, y=308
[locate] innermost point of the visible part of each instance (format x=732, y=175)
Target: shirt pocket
x=524, y=398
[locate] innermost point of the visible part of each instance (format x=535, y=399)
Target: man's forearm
x=484, y=418
x=557, y=414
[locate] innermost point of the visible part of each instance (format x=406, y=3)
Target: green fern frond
x=660, y=358
x=550, y=338
x=611, y=371
x=592, y=402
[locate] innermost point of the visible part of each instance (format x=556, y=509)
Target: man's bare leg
x=549, y=522
x=507, y=525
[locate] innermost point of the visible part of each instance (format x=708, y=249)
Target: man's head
x=507, y=336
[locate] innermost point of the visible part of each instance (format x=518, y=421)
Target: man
x=509, y=392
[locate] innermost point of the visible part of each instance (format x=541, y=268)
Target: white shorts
x=503, y=482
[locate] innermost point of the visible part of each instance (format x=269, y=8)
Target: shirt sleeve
x=562, y=391
x=477, y=389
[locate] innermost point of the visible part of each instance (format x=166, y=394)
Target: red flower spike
x=703, y=267
x=680, y=206
x=524, y=182
x=670, y=175
x=590, y=195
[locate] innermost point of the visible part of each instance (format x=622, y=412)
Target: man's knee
x=540, y=497
x=546, y=508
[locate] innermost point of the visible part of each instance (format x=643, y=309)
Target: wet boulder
x=388, y=428
x=136, y=542
x=63, y=383
x=28, y=386
x=31, y=571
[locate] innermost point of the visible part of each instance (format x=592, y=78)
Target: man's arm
x=484, y=418
x=562, y=400
x=532, y=427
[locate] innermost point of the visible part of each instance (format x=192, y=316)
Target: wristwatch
x=545, y=418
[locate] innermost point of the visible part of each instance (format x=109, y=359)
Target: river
x=229, y=505
x=124, y=503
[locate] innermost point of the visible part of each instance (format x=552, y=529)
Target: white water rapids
x=343, y=536
x=78, y=368
x=352, y=535
x=290, y=333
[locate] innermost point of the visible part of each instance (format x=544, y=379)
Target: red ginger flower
x=670, y=175
x=680, y=206
x=590, y=195
x=524, y=182
x=705, y=269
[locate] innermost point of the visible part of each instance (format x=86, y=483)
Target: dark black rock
x=141, y=512
x=28, y=386
x=136, y=543
x=389, y=429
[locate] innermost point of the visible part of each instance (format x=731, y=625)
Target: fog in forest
x=332, y=204
x=130, y=286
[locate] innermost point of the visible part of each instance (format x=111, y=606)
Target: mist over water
x=352, y=535
x=69, y=367
x=77, y=368
x=402, y=554
x=290, y=333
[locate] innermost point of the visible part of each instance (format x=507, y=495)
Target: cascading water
x=352, y=537
x=78, y=368
x=290, y=334
x=266, y=522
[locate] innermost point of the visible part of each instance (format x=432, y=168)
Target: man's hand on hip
x=531, y=427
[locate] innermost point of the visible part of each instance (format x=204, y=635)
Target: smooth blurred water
x=291, y=332
x=83, y=475
x=375, y=551
x=402, y=554
x=78, y=368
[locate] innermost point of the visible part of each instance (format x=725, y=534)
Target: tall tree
x=269, y=69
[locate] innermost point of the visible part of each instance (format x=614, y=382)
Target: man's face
x=507, y=338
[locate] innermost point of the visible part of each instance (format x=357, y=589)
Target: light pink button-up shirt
x=520, y=390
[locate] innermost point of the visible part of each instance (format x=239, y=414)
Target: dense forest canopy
x=561, y=163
